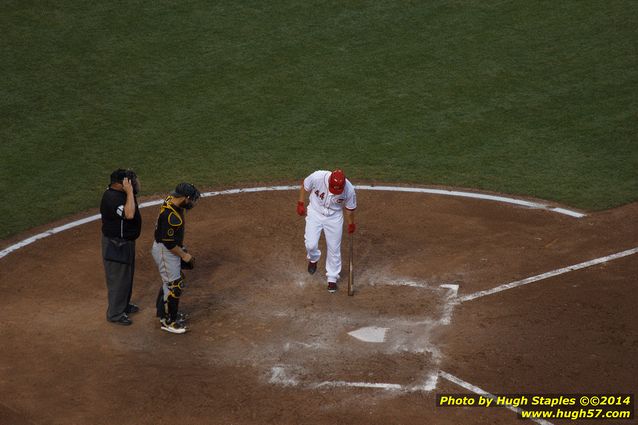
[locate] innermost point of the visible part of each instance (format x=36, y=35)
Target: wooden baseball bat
x=351, y=268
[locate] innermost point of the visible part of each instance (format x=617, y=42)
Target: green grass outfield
x=532, y=98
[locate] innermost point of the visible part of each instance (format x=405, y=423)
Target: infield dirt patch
x=269, y=345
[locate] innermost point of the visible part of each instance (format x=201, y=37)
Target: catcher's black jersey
x=169, y=229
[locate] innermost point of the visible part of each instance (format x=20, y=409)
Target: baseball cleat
x=332, y=287
x=173, y=327
x=123, y=320
x=182, y=319
x=312, y=267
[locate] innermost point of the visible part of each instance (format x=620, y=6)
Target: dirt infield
x=269, y=345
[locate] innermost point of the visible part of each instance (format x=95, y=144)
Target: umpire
x=121, y=226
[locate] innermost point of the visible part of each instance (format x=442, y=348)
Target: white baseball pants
x=332, y=227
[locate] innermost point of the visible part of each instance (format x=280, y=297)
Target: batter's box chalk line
x=406, y=336
x=451, y=290
x=280, y=376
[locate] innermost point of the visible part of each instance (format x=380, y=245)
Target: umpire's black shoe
x=123, y=320
x=132, y=308
x=312, y=267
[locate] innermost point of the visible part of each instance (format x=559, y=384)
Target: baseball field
x=493, y=146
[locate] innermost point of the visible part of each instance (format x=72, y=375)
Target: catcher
x=171, y=256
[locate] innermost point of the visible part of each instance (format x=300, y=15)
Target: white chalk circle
x=474, y=195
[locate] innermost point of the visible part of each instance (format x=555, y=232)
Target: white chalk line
x=476, y=390
x=428, y=386
x=473, y=195
x=546, y=275
x=280, y=376
x=333, y=384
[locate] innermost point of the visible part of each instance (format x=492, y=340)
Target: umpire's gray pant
x=119, y=283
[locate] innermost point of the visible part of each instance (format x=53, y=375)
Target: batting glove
x=301, y=208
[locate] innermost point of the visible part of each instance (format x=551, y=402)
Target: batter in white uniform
x=330, y=193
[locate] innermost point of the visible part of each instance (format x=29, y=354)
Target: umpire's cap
x=187, y=190
x=120, y=174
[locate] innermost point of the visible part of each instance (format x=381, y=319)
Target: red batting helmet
x=337, y=182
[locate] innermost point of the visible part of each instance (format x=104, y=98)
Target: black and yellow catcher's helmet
x=187, y=190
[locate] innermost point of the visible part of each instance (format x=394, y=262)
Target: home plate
x=369, y=334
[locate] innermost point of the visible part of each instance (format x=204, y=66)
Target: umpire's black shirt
x=114, y=222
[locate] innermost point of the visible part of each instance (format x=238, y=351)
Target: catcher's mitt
x=188, y=265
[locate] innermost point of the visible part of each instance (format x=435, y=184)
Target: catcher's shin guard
x=175, y=288
x=171, y=300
